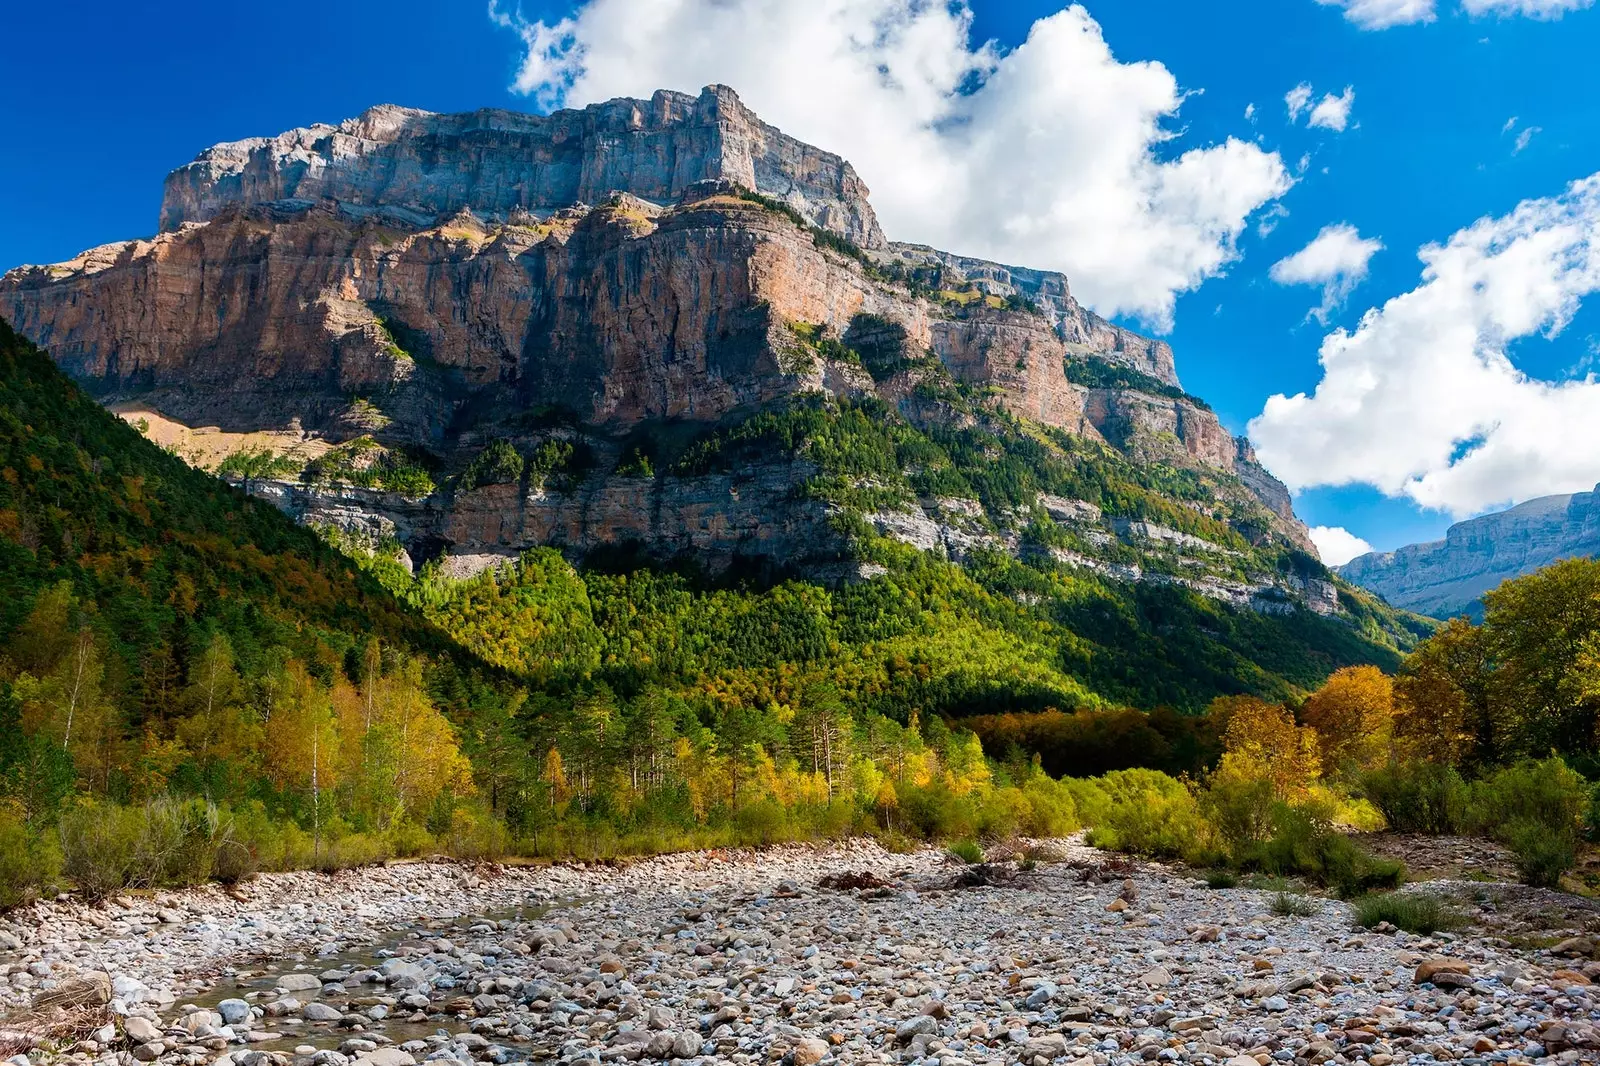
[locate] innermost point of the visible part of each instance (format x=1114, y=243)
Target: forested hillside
x=181, y=659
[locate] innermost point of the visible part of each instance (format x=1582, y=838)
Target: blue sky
x=98, y=101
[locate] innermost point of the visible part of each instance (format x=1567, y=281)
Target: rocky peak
x=496, y=162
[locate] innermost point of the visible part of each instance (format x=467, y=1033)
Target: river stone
x=320, y=1012
x=298, y=982
x=387, y=1056
x=141, y=1030
x=809, y=1051
x=233, y=1011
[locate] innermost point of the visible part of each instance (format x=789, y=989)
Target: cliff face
x=499, y=162
x=604, y=281
x=1445, y=578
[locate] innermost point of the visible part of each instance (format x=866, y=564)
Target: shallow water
x=258, y=987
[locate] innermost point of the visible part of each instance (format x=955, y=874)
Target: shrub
x=1419, y=797
x=1051, y=809
x=1542, y=854
x=967, y=851
x=1241, y=810
x=1415, y=912
x=1545, y=793
x=29, y=861
x=1149, y=813
x=762, y=822
x=100, y=846
x=1304, y=843
x=177, y=843
x=1293, y=905
x=475, y=833
x=1221, y=879
x=408, y=839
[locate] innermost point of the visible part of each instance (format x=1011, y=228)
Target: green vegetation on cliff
x=184, y=663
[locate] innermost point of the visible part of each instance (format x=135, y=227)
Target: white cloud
x=1336, y=259
x=1511, y=124
x=1524, y=138
x=1249, y=112
x=1423, y=401
x=1337, y=545
x=1053, y=153
x=1333, y=112
x=1298, y=100
x=1538, y=9
x=1381, y=14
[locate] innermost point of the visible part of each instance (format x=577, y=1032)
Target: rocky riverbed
x=801, y=955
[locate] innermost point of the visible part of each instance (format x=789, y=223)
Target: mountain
x=1445, y=578
x=663, y=333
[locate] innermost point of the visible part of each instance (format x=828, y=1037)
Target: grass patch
x=968, y=851
x=1221, y=879
x=1415, y=912
x=1293, y=905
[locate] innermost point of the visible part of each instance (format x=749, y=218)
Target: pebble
x=743, y=958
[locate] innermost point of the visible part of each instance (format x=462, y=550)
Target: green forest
x=195, y=687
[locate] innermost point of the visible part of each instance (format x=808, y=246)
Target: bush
x=407, y=838
x=1304, y=843
x=1242, y=811
x=1542, y=854
x=1415, y=912
x=177, y=843
x=1051, y=809
x=1149, y=813
x=100, y=846
x=29, y=861
x=1544, y=792
x=1221, y=879
x=967, y=851
x=167, y=842
x=475, y=833
x=762, y=822
x=1419, y=797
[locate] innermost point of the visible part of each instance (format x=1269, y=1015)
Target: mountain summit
x=658, y=327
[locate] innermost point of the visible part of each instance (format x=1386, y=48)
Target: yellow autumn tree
x=302, y=735
x=217, y=726
x=1353, y=715
x=1262, y=743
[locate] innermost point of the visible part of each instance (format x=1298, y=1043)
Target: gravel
x=742, y=957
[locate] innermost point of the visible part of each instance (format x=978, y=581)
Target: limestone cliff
x=611, y=284
x=1445, y=578
x=499, y=162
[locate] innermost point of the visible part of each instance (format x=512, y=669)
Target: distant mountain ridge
x=1447, y=577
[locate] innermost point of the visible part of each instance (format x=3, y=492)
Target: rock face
x=499, y=162
x=1445, y=578
x=600, y=280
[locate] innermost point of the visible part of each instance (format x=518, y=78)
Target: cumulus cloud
x=1423, y=401
x=1336, y=259
x=1053, y=153
x=1538, y=9
x=1333, y=112
x=1337, y=545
